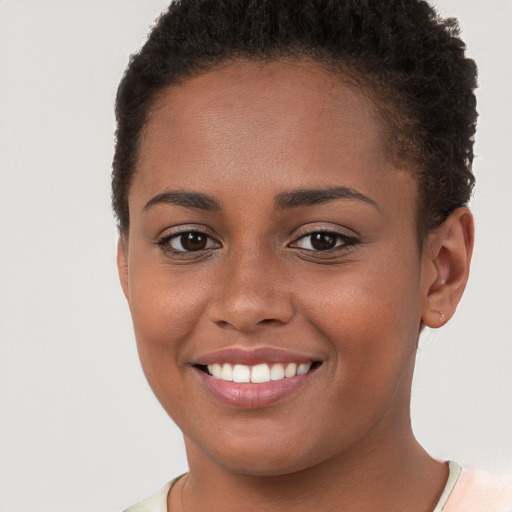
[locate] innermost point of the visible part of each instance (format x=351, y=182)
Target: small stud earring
x=442, y=316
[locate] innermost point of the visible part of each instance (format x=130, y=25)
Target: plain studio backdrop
x=79, y=427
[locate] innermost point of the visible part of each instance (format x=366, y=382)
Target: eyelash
x=347, y=242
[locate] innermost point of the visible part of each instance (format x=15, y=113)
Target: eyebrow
x=283, y=201
x=311, y=197
x=187, y=199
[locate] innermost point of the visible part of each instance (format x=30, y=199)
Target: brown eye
x=323, y=241
x=193, y=241
x=320, y=241
x=187, y=241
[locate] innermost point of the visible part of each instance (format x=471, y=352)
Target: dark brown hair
x=407, y=57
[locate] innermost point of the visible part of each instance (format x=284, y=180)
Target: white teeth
x=241, y=373
x=303, y=368
x=227, y=372
x=258, y=373
x=215, y=370
x=290, y=370
x=277, y=372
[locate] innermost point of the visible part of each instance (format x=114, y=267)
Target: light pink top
x=480, y=491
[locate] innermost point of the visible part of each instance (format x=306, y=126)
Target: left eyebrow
x=186, y=199
x=311, y=197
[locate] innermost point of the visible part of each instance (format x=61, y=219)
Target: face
x=271, y=239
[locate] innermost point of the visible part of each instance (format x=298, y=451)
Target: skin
x=243, y=134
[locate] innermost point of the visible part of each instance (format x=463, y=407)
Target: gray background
x=79, y=427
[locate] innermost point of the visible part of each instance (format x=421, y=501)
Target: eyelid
x=325, y=226
x=186, y=228
x=311, y=228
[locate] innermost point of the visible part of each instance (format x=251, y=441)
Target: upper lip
x=253, y=356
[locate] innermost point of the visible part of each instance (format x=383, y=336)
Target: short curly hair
x=411, y=61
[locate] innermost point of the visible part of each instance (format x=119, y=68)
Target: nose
x=253, y=293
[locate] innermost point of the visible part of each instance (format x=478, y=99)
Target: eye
x=187, y=241
x=322, y=241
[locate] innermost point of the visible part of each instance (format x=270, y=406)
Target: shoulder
x=155, y=503
x=478, y=491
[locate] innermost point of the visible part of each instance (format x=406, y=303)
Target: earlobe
x=122, y=265
x=447, y=258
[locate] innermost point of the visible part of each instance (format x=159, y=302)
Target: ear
x=122, y=265
x=446, y=260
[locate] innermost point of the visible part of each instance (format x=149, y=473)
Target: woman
x=291, y=183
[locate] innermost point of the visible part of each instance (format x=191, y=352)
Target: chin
x=264, y=456
x=262, y=466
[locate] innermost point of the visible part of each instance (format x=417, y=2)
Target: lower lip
x=252, y=396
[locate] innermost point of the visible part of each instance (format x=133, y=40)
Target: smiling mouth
x=259, y=373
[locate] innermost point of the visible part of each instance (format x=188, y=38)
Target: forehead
x=251, y=86
x=287, y=124
x=252, y=104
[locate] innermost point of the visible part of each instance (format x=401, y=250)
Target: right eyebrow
x=310, y=197
x=187, y=199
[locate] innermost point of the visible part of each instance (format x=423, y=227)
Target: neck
x=397, y=475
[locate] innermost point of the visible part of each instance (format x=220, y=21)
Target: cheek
x=370, y=314
x=166, y=309
x=163, y=298
x=381, y=294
